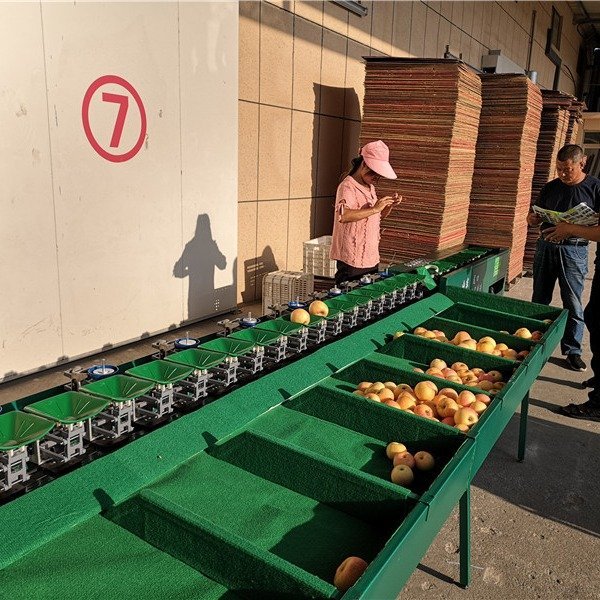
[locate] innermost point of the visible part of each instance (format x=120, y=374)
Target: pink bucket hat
x=377, y=156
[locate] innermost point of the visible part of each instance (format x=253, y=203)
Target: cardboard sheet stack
x=504, y=165
x=553, y=136
x=427, y=111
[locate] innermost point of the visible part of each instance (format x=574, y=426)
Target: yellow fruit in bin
x=485, y=347
x=461, y=336
x=423, y=391
x=478, y=406
x=438, y=363
x=434, y=372
x=468, y=344
x=501, y=346
x=406, y=401
x=510, y=354
x=417, y=370
x=394, y=448
x=494, y=376
x=390, y=385
x=548, y=321
x=398, y=334
x=487, y=338
x=301, y=316
x=466, y=416
x=358, y=392
x=429, y=334
x=449, y=392
x=364, y=385
x=376, y=387
x=419, y=330
x=385, y=394
x=524, y=333
x=402, y=475
x=447, y=407
x=485, y=385
x=349, y=572
x=318, y=308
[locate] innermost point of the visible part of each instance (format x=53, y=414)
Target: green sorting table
x=270, y=486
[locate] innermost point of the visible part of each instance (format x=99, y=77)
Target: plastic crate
x=280, y=287
x=316, y=257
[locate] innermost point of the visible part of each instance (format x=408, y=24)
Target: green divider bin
x=229, y=346
x=163, y=372
x=20, y=429
x=284, y=326
x=118, y=388
x=258, y=337
x=68, y=407
x=344, y=303
x=198, y=358
x=367, y=291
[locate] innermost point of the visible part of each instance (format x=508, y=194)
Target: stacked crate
x=281, y=287
x=504, y=165
x=427, y=112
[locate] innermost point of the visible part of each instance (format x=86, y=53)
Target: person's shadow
x=198, y=261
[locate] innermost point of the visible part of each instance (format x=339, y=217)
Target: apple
x=486, y=385
x=417, y=370
x=438, y=363
x=478, y=406
x=524, y=333
x=422, y=410
x=501, y=346
x=548, y=321
x=419, y=330
x=447, y=407
x=485, y=347
x=373, y=396
x=449, y=392
x=363, y=386
x=448, y=421
x=391, y=403
x=448, y=372
x=498, y=385
x=358, y=393
x=468, y=344
x=488, y=339
x=406, y=401
x=463, y=428
x=385, y=394
x=404, y=458
x=483, y=398
x=318, y=308
x=523, y=354
x=390, y=385
x=423, y=391
x=349, y=572
x=398, y=334
x=424, y=461
x=402, y=475
x=435, y=372
x=429, y=334
x=536, y=336
x=510, y=354
x=494, y=376
x=465, y=398
x=466, y=416
x=301, y=316
x=459, y=366
x=394, y=448
x=376, y=387
x=461, y=336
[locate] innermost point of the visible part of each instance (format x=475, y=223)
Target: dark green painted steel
x=162, y=372
x=484, y=274
x=229, y=346
x=260, y=337
x=118, y=388
x=20, y=429
x=281, y=326
x=198, y=358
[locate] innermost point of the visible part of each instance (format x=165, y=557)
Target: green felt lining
x=99, y=560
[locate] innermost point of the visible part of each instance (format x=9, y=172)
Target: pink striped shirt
x=355, y=243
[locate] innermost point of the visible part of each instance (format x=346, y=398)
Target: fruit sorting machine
x=184, y=372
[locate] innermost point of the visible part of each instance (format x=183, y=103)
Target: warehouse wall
x=114, y=232
x=300, y=101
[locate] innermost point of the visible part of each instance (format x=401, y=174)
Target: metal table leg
x=465, y=538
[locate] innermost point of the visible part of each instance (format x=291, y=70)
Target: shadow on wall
x=335, y=143
x=200, y=257
x=254, y=271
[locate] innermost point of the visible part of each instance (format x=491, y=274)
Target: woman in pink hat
x=358, y=213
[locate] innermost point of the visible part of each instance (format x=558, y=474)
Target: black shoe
x=575, y=362
x=590, y=410
x=589, y=383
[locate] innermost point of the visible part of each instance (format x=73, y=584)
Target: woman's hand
x=533, y=219
x=383, y=203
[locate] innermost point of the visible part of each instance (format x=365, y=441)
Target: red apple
x=349, y=572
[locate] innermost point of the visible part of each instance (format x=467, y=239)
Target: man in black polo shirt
x=566, y=261
x=591, y=408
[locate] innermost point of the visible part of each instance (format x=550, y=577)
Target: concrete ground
x=535, y=525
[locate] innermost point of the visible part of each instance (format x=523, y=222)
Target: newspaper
x=581, y=214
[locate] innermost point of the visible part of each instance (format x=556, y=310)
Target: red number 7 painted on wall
x=123, y=102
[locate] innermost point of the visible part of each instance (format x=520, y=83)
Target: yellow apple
x=318, y=308
x=438, y=363
x=301, y=316
x=466, y=416
x=394, y=448
x=423, y=391
x=524, y=333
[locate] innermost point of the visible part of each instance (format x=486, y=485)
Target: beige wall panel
x=335, y=18
x=355, y=80
x=287, y=5
x=443, y=36
x=351, y=147
x=495, y=27
x=382, y=24
x=312, y=11
x=455, y=40
x=417, y=33
x=247, y=253
x=276, y=47
x=401, y=31
x=307, y=65
x=488, y=14
x=29, y=306
x=432, y=26
x=303, y=163
x=272, y=237
x=249, y=50
x=446, y=9
x=359, y=28
x=437, y=6
x=115, y=221
x=299, y=231
x=457, y=13
x=332, y=92
x=323, y=214
x=329, y=166
x=477, y=29
x=248, y=152
x=274, y=153
x=209, y=140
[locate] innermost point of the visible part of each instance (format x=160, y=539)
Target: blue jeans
x=568, y=264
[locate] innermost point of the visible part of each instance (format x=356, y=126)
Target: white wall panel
x=30, y=331
x=115, y=258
